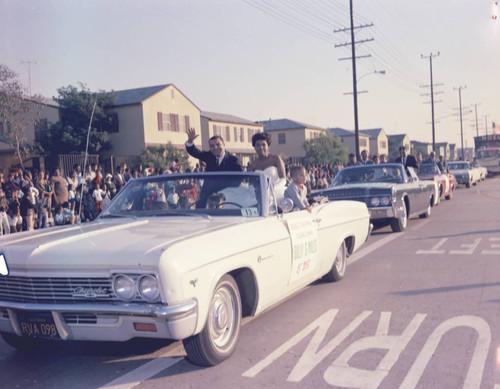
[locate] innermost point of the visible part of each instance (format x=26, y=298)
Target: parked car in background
x=156, y=267
x=464, y=173
x=483, y=172
x=391, y=194
x=446, y=181
x=489, y=157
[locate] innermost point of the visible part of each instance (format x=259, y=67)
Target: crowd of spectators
x=37, y=199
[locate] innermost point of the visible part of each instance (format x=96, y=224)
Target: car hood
x=366, y=185
x=104, y=243
x=459, y=171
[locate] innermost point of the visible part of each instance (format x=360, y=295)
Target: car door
x=304, y=260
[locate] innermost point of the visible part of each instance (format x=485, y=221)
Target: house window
x=383, y=144
x=241, y=135
x=235, y=134
x=217, y=130
x=362, y=142
x=171, y=122
x=228, y=133
x=281, y=139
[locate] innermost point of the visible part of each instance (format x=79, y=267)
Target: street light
x=355, y=99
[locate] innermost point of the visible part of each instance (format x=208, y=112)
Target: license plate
x=37, y=324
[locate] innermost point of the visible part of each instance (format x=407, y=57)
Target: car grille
x=57, y=290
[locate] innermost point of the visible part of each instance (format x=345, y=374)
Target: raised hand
x=192, y=135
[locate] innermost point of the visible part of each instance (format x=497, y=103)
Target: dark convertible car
x=391, y=193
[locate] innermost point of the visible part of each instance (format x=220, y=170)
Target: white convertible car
x=182, y=256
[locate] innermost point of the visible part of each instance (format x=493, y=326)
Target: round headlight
x=385, y=201
x=375, y=201
x=148, y=288
x=124, y=287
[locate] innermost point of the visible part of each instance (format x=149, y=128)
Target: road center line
x=367, y=250
x=142, y=373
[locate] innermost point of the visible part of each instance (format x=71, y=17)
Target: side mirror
x=286, y=205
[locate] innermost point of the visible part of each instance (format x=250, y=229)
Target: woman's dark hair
x=261, y=136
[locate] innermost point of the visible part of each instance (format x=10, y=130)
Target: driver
x=215, y=200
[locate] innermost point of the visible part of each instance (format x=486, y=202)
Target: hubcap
x=222, y=317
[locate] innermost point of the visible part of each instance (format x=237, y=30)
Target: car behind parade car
x=391, y=193
x=156, y=265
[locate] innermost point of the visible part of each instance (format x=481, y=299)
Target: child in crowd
x=297, y=190
x=64, y=215
x=71, y=197
x=173, y=199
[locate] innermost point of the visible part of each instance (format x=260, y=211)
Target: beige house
x=395, y=141
x=47, y=112
x=152, y=116
x=289, y=136
x=236, y=132
x=379, y=142
x=348, y=139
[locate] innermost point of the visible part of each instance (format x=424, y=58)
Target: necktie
x=218, y=162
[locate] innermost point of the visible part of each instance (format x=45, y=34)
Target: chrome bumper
x=381, y=213
x=172, y=322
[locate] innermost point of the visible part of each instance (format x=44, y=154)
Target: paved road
x=416, y=309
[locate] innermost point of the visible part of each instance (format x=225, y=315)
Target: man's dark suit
x=229, y=163
x=411, y=161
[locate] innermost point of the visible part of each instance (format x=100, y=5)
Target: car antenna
x=85, y=161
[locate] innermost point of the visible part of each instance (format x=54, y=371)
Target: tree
x=325, y=149
x=162, y=156
x=18, y=112
x=69, y=135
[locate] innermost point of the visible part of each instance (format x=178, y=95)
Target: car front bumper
x=381, y=213
x=108, y=322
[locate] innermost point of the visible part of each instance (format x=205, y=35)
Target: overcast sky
x=261, y=59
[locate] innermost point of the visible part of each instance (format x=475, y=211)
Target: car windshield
x=459, y=166
x=369, y=173
x=488, y=153
x=219, y=194
x=428, y=169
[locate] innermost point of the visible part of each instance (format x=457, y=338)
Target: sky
x=273, y=59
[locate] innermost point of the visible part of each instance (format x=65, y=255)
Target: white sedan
x=182, y=256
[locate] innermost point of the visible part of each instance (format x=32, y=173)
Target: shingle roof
x=135, y=96
x=373, y=133
x=397, y=137
x=221, y=117
x=340, y=132
x=286, y=124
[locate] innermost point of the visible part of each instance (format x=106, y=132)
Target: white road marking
x=476, y=366
x=493, y=246
x=367, y=250
x=434, y=249
x=469, y=246
x=142, y=373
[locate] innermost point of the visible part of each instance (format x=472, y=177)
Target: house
x=151, y=116
x=349, y=141
x=236, y=132
x=379, y=142
x=443, y=148
x=395, y=142
x=420, y=147
x=289, y=136
x=46, y=112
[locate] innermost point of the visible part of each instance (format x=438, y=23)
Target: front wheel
x=337, y=271
x=217, y=341
x=450, y=195
x=398, y=224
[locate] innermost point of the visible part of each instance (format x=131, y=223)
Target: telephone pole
x=354, y=78
x=461, y=127
x=477, y=127
x=430, y=56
